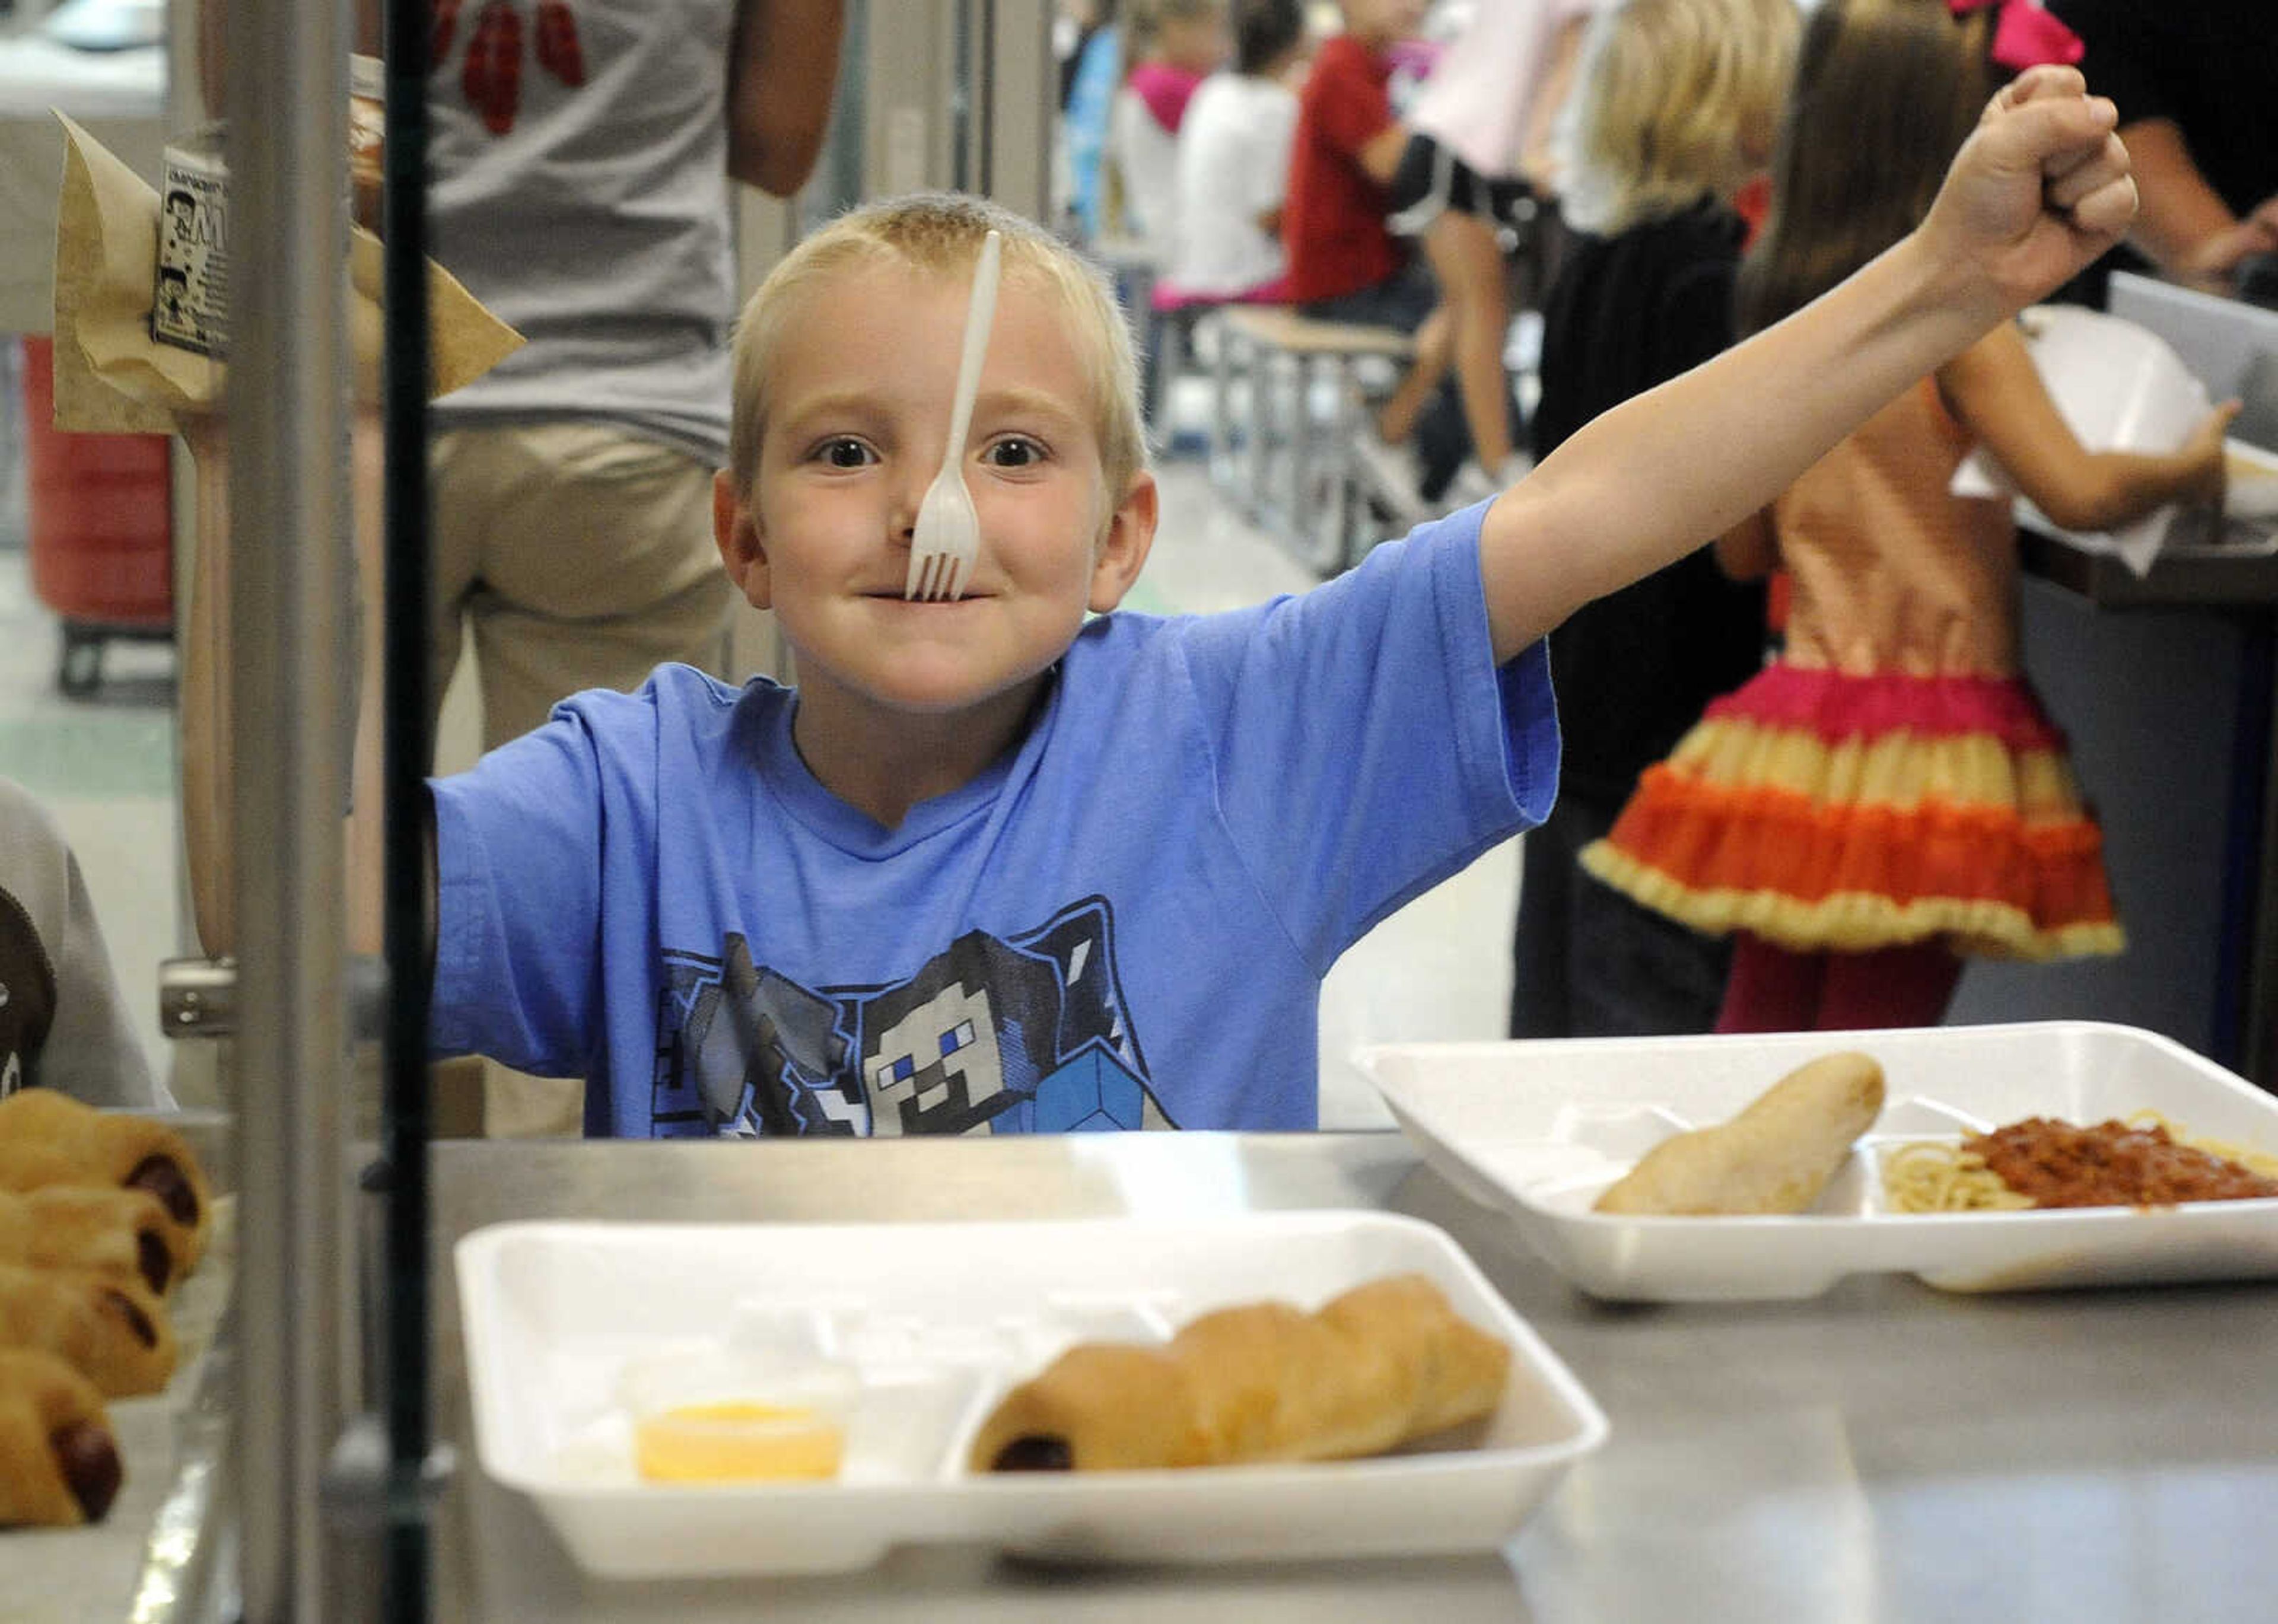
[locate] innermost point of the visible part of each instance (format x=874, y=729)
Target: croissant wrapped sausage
x=1775, y=1156
x=124, y=1234
x=58, y=1461
x=1384, y=1363
x=48, y=1138
x=113, y=1332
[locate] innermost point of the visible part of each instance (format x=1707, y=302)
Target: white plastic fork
x=948, y=534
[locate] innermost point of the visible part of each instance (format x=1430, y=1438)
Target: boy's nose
x=913, y=476
x=909, y=496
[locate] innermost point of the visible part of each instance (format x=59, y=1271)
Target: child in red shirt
x=1345, y=265
x=1348, y=145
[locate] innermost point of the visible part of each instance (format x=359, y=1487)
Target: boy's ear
x=735, y=526
x=1124, y=546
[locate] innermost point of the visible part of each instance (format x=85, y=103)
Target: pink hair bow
x=2026, y=36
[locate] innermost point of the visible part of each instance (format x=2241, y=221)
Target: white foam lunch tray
x=1538, y=1129
x=940, y=1319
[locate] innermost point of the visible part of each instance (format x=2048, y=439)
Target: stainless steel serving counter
x=1883, y=1452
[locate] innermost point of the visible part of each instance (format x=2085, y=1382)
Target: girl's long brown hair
x=1885, y=92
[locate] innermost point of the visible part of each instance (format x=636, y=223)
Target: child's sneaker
x=1389, y=474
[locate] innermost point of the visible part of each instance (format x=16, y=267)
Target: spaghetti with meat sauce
x=2042, y=1162
x=2053, y=1163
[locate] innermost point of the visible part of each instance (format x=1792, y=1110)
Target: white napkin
x=2119, y=388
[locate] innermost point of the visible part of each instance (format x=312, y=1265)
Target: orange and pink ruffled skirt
x=1825, y=812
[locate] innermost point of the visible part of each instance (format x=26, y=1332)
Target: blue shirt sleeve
x=517, y=902
x=1365, y=745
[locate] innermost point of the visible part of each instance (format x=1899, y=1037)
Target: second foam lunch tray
x=1538, y=1129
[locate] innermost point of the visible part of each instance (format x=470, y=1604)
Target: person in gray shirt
x=580, y=155
x=63, y=1023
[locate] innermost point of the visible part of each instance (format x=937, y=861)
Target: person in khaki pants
x=570, y=555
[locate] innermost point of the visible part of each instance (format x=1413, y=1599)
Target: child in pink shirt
x=1182, y=43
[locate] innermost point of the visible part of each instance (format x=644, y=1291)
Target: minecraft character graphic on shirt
x=990, y=1036
x=745, y=1051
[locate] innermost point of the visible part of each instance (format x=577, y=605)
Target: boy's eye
x=1013, y=450
x=844, y=451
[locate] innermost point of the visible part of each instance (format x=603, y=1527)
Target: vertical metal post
x=1304, y=432
x=1017, y=101
x=406, y=1123
x=907, y=75
x=1259, y=367
x=963, y=94
x=289, y=356
x=1340, y=501
x=1221, y=442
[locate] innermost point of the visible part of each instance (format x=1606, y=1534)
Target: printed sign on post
x=191, y=308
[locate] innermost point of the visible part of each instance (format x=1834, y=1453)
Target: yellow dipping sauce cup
x=722, y=1416
x=735, y=1441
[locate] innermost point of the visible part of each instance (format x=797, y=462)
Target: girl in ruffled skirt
x=1889, y=797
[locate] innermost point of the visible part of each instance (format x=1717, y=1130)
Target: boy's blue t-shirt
x=1122, y=924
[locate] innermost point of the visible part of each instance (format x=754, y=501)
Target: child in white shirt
x=1233, y=159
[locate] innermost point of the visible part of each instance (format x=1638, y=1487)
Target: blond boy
x=993, y=866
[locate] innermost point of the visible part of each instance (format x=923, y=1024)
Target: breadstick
x=48, y=1138
x=58, y=1461
x=124, y=1234
x=1775, y=1156
x=1384, y=1363
x=114, y=1332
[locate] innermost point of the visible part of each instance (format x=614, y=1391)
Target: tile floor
x=1438, y=969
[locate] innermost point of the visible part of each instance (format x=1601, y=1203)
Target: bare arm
x=1997, y=392
x=208, y=741
x=782, y=66
x=1379, y=155
x=2184, y=224
x=207, y=727
x=2040, y=189
x=1538, y=146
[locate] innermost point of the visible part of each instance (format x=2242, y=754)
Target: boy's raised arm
x=2040, y=189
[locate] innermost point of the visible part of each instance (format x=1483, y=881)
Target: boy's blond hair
x=1668, y=94
x=941, y=233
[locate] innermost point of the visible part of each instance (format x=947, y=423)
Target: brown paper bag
x=113, y=377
